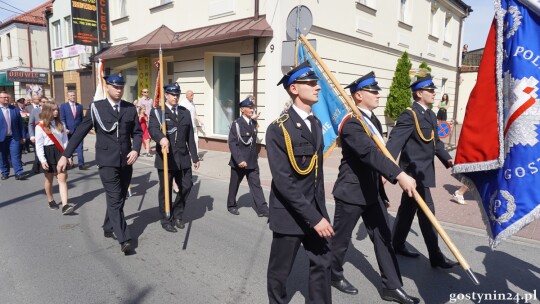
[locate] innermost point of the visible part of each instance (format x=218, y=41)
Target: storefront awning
x=168, y=39
x=3, y=80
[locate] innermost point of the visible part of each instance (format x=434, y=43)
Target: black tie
x=314, y=127
x=174, y=111
x=115, y=108
x=376, y=123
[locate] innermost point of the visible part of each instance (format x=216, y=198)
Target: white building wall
x=352, y=38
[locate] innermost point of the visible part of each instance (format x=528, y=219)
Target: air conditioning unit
x=84, y=59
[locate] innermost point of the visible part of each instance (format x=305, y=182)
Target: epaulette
x=283, y=118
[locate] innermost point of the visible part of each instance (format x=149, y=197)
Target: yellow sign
x=143, y=71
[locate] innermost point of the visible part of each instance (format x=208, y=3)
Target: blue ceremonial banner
x=508, y=184
x=329, y=109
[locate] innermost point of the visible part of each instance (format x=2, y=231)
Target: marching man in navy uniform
x=298, y=215
x=415, y=136
x=243, y=146
x=358, y=191
x=118, y=142
x=181, y=152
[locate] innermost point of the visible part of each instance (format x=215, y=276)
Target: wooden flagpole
x=164, y=130
x=385, y=151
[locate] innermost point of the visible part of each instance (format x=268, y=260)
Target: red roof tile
x=34, y=16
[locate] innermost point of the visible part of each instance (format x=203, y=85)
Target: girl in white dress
x=51, y=139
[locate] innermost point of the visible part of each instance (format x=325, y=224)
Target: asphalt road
x=46, y=257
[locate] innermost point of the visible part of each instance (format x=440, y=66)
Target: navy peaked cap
x=115, y=80
x=173, y=89
x=247, y=103
x=303, y=72
x=423, y=83
x=366, y=82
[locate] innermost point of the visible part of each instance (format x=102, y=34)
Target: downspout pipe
x=256, y=55
x=29, y=46
x=48, y=14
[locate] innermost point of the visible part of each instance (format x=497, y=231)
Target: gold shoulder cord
x=288, y=144
x=418, y=128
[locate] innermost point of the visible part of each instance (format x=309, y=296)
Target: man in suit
x=297, y=205
x=71, y=114
x=116, y=124
x=357, y=192
x=415, y=136
x=181, y=152
x=21, y=107
x=243, y=146
x=11, y=137
x=34, y=109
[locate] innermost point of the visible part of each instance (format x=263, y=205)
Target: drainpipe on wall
x=29, y=46
x=48, y=14
x=256, y=55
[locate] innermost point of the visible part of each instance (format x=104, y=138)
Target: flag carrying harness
x=288, y=144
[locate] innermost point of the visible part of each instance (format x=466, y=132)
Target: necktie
x=8, y=120
x=73, y=110
x=115, y=108
x=314, y=127
x=376, y=122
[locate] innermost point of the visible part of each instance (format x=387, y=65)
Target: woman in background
x=51, y=140
x=443, y=107
x=143, y=119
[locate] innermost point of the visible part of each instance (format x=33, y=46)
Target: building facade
x=224, y=50
x=71, y=67
x=24, y=63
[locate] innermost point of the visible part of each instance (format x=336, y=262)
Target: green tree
x=423, y=69
x=399, y=97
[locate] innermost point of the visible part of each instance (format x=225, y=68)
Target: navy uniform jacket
x=239, y=151
x=359, y=179
x=417, y=155
x=297, y=201
x=182, y=149
x=111, y=150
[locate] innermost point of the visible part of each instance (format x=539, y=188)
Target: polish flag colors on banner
x=498, y=154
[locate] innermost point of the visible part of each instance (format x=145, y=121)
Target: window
x=57, y=35
x=8, y=36
x=433, y=21
x=161, y=2
x=368, y=3
x=69, y=30
x=447, y=31
x=122, y=8
x=403, y=11
x=226, y=86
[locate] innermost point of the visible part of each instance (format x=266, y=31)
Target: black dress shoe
x=109, y=235
x=398, y=295
x=262, y=214
x=179, y=223
x=4, y=177
x=404, y=251
x=83, y=167
x=125, y=246
x=19, y=177
x=344, y=286
x=442, y=262
x=234, y=211
x=169, y=228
